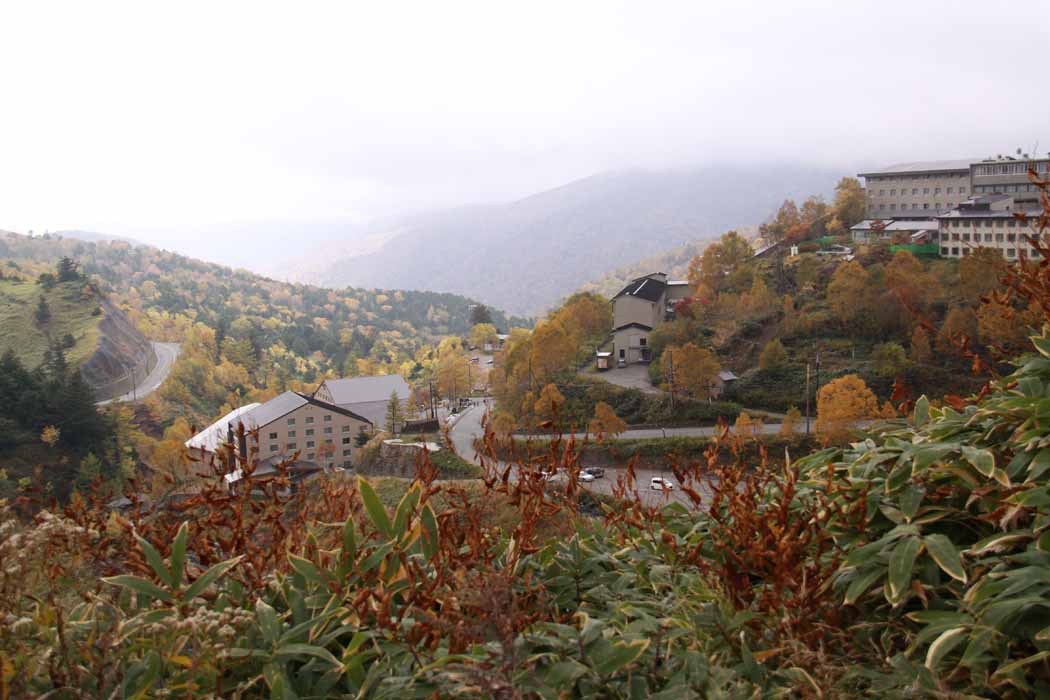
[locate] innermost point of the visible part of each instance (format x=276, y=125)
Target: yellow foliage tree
x=789, y=424
x=920, y=350
x=605, y=422
x=690, y=369
x=846, y=291
x=549, y=403
x=843, y=401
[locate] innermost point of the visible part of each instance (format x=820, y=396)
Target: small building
x=603, y=359
x=721, y=382
x=366, y=396
x=894, y=230
x=638, y=308
x=319, y=435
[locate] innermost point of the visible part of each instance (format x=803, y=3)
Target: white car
x=586, y=477
x=660, y=484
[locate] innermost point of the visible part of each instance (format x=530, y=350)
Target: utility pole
x=807, y=399
x=433, y=414
x=670, y=377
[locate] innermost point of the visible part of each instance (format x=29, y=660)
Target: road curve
x=166, y=354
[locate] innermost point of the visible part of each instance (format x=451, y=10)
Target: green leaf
x=946, y=555
x=208, y=577
x=1039, y=464
x=349, y=540
x=861, y=584
x=404, y=510
x=921, y=414
x=306, y=569
x=178, y=555
x=430, y=531
x=269, y=624
x=982, y=460
x=374, y=506
x=613, y=657
x=140, y=586
x=155, y=561
x=943, y=645
x=308, y=650
x=910, y=499
x=562, y=675
x=902, y=560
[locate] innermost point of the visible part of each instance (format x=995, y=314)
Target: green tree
x=889, y=359
x=480, y=314
x=68, y=270
x=43, y=311
x=773, y=356
x=362, y=437
x=394, y=413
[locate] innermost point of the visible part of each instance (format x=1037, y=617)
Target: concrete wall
x=634, y=310
x=129, y=380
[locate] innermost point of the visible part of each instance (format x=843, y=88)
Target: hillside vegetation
x=73, y=311
x=525, y=256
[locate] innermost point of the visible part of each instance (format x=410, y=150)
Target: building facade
x=919, y=190
x=988, y=221
x=1009, y=175
x=320, y=433
x=638, y=308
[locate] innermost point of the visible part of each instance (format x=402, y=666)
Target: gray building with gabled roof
x=640, y=306
x=366, y=396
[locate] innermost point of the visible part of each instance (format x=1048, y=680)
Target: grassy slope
x=70, y=313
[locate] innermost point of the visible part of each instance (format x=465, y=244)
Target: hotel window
x=966, y=236
x=328, y=418
x=950, y=190
x=273, y=447
x=893, y=207
x=290, y=446
x=1011, y=237
x=955, y=236
x=937, y=205
x=291, y=433
x=291, y=421
x=893, y=193
x=925, y=205
x=1010, y=252
x=310, y=456
x=273, y=436
x=882, y=193
x=346, y=441
x=328, y=441
x=346, y=453
x=987, y=238
x=966, y=251
x=925, y=190
x=309, y=432
x=962, y=190
x=309, y=444
x=915, y=190
x=1011, y=223
x=998, y=238
x=944, y=251
x=882, y=206
x=309, y=419
x=999, y=223
x=936, y=190
x=345, y=429
x=328, y=430
x=955, y=251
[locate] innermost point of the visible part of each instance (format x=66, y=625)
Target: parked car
x=596, y=472
x=660, y=484
x=586, y=477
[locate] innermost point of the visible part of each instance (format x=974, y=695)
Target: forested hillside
x=243, y=337
x=525, y=256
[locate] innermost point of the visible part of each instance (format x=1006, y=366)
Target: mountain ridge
x=525, y=255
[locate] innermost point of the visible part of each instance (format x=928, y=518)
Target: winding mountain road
x=166, y=355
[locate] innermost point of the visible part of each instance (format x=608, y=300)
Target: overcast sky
x=168, y=125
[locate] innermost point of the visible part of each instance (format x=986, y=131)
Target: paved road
x=468, y=427
x=166, y=354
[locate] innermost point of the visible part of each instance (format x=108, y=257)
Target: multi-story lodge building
x=322, y=434
x=920, y=190
x=927, y=189
x=988, y=221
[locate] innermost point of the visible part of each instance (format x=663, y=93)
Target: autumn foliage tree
x=773, y=356
x=605, y=422
x=690, y=370
x=722, y=266
x=843, y=401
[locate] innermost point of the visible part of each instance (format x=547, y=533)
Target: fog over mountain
x=251, y=134
x=525, y=255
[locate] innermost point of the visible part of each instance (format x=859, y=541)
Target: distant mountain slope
x=675, y=262
x=526, y=255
